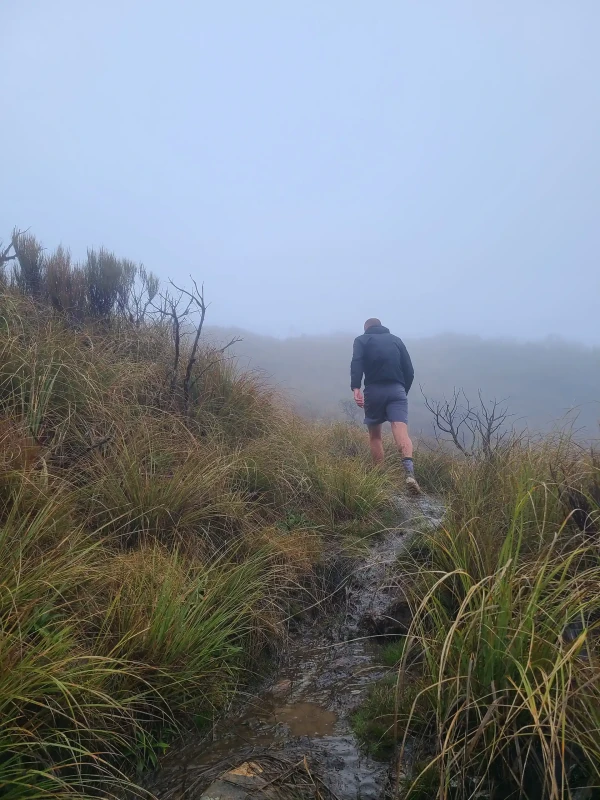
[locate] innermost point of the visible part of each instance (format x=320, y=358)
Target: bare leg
x=376, y=443
x=402, y=439
x=405, y=446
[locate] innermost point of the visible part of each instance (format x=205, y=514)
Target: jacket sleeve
x=407, y=368
x=357, y=366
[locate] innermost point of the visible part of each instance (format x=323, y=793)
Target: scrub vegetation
x=495, y=689
x=162, y=514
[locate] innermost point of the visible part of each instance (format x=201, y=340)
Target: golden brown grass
x=148, y=551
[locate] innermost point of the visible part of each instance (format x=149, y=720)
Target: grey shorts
x=385, y=402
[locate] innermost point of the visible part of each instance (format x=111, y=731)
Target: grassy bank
x=495, y=690
x=155, y=534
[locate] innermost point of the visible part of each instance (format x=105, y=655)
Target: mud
x=323, y=676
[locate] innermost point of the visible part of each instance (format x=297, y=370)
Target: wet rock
x=241, y=783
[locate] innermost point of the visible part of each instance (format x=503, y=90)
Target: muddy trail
x=297, y=726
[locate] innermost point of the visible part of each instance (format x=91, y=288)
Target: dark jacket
x=382, y=358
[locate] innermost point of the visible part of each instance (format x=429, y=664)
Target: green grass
x=373, y=723
x=393, y=652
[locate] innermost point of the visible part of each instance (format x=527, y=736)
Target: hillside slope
x=162, y=515
x=542, y=381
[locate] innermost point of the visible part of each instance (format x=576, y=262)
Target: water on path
x=323, y=677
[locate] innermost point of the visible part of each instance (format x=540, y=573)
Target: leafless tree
x=173, y=308
x=196, y=299
x=5, y=254
x=477, y=430
x=179, y=309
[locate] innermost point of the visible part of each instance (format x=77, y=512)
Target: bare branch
x=215, y=361
x=486, y=423
x=196, y=298
x=449, y=418
x=4, y=257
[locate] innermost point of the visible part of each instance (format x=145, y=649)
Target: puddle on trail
x=322, y=679
x=306, y=719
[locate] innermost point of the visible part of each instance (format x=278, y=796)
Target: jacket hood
x=377, y=329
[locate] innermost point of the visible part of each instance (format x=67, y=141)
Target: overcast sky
x=432, y=162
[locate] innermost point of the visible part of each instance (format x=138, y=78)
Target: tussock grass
x=145, y=486
x=497, y=692
x=149, y=551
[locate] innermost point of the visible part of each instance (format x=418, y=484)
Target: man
x=384, y=361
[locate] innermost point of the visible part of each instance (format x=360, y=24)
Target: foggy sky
x=432, y=163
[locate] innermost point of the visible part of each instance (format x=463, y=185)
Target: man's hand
x=358, y=398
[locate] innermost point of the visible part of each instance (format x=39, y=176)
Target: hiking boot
x=412, y=486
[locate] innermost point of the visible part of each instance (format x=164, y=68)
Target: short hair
x=372, y=321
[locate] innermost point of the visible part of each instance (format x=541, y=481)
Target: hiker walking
x=384, y=361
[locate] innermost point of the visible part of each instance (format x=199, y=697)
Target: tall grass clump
x=498, y=689
x=105, y=651
x=161, y=515
x=59, y=720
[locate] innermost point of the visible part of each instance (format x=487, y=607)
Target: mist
x=432, y=164
x=545, y=385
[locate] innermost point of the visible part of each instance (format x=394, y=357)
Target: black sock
x=409, y=466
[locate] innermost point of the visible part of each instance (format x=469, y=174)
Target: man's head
x=371, y=322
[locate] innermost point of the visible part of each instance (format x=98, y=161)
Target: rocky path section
x=296, y=732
